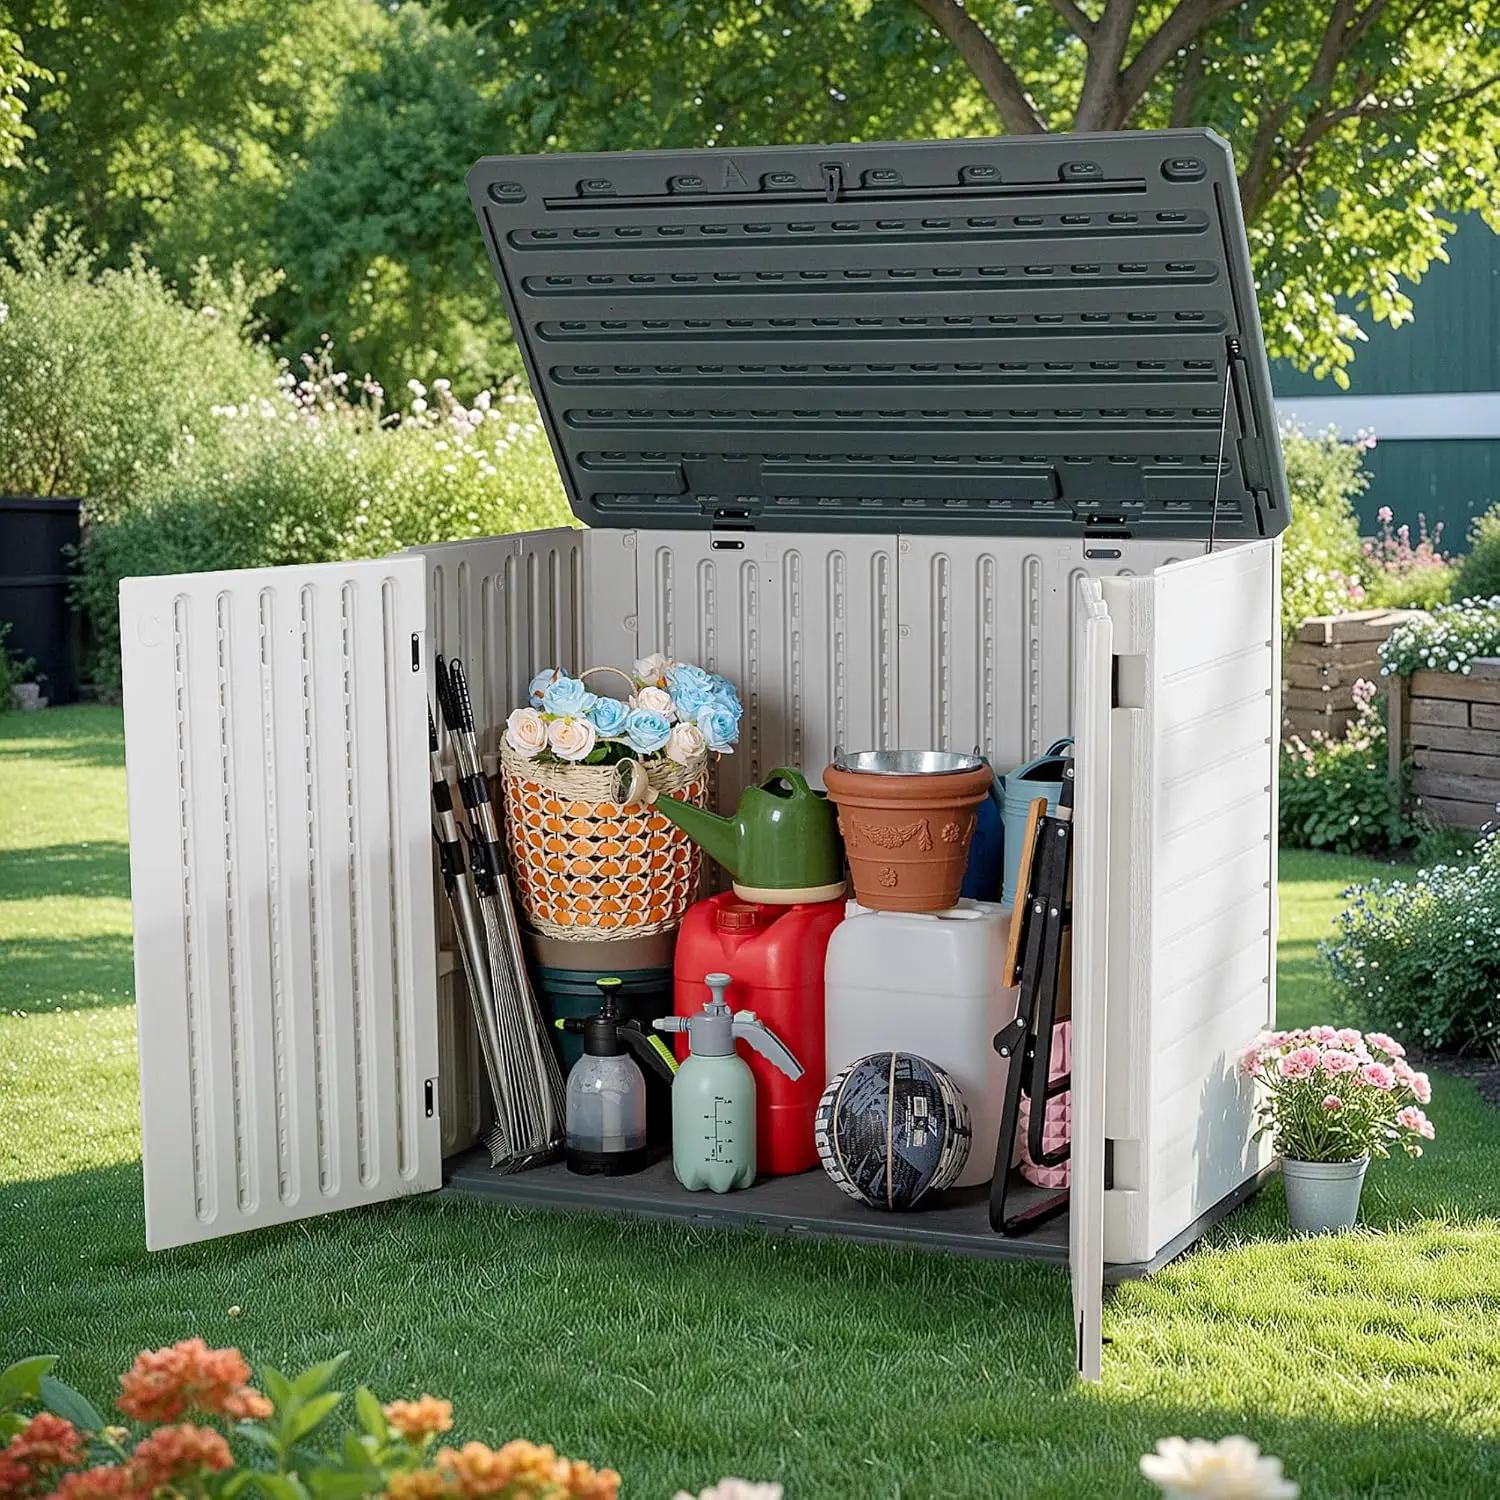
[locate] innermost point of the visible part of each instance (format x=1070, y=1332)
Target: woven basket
x=586, y=866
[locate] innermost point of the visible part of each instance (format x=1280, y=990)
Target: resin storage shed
x=925, y=445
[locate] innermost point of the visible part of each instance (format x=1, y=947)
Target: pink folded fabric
x=1057, y=1123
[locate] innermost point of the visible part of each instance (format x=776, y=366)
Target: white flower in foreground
x=571, y=739
x=734, y=1489
x=1231, y=1469
x=685, y=744
x=655, y=700
x=526, y=732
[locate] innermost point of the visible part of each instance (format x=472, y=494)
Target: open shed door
x=281, y=881
x=1092, y=712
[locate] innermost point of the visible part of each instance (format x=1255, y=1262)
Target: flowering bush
x=107, y=376
x=1479, y=573
x=1231, y=1469
x=69, y=1452
x=1404, y=576
x=1323, y=568
x=1445, y=640
x=675, y=710
x=1336, y=1095
x=1338, y=793
x=1420, y=958
x=318, y=471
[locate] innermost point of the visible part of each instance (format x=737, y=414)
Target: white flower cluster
x=1445, y=640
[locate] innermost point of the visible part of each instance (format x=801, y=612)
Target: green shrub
x=107, y=377
x=1338, y=793
x=1421, y=958
x=1446, y=639
x=1323, y=565
x=1479, y=572
x=14, y=669
x=316, y=473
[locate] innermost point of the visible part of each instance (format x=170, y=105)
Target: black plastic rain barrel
x=34, y=579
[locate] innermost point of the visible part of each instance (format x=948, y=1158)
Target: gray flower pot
x=1322, y=1197
x=27, y=695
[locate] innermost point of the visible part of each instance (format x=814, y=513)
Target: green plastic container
x=642, y=995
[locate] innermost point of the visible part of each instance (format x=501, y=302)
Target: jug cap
x=737, y=916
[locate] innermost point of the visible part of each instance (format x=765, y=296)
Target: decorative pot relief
x=889, y=878
x=890, y=835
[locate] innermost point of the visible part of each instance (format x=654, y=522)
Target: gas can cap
x=736, y=916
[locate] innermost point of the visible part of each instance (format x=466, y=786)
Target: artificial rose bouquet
x=675, y=710
x=1338, y=1095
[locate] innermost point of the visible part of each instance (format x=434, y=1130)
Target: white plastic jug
x=928, y=983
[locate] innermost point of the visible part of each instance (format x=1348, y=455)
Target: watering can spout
x=718, y=837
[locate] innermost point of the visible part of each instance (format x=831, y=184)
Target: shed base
x=807, y=1206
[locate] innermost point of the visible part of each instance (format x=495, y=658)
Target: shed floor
x=810, y=1206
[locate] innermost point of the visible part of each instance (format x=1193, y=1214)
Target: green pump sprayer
x=713, y=1097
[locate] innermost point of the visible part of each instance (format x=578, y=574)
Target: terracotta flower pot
x=907, y=821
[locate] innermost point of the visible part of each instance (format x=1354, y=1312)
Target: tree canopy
x=1356, y=126
x=322, y=147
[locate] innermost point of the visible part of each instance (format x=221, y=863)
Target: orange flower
x=419, y=1419
x=418, y=1484
x=164, y=1383
x=46, y=1442
x=169, y=1453
x=105, y=1483
x=524, y=1471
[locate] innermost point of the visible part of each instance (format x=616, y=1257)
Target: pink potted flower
x=1331, y=1100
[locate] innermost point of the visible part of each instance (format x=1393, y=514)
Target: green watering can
x=781, y=846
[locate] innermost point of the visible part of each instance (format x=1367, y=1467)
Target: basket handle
x=583, y=676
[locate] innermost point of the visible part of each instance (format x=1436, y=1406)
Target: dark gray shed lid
x=1027, y=335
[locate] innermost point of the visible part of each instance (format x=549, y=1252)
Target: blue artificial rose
x=539, y=685
x=720, y=726
x=609, y=716
x=647, y=730
x=691, y=689
x=725, y=689
x=567, y=697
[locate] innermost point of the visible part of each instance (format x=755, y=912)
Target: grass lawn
x=1370, y=1363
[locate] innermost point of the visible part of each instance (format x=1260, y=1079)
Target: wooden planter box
x=1328, y=655
x=1448, y=726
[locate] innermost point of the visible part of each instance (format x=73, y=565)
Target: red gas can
x=774, y=955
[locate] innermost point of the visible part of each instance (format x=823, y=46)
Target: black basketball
x=892, y=1127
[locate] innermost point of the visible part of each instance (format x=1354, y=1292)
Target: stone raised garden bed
x=1447, y=724
x=1319, y=668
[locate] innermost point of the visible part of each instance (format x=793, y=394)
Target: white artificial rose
x=571, y=739
x=655, y=700
x=526, y=732
x=686, y=744
x=651, y=669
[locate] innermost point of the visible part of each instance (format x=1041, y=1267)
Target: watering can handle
x=791, y=776
x=1058, y=746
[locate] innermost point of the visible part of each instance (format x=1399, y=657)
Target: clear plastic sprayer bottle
x=606, y=1109
x=713, y=1097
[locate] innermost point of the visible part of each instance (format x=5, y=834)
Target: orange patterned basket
x=586, y=866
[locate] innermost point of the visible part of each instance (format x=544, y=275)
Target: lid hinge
x=833, y=180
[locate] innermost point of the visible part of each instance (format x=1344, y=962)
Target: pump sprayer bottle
x=713, y=1098
x=606, y=1107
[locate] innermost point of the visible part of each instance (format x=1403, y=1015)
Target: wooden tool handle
x=1011, y=975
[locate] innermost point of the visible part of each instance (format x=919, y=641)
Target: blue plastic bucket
x=1041, y=777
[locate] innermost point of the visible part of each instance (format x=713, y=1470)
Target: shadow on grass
x=97, y=869
x=47, y=974
x=83, y=736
